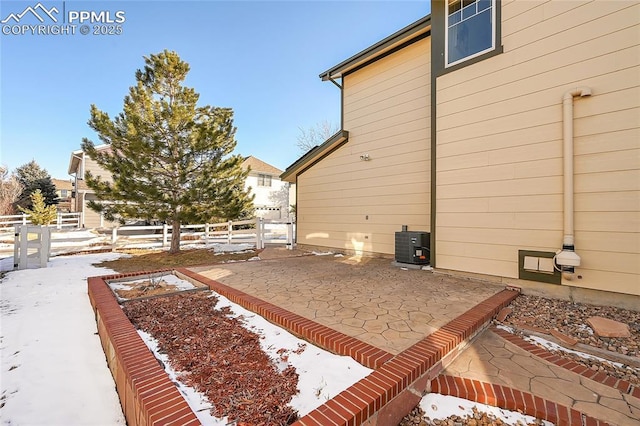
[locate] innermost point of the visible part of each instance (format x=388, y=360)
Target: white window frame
x=446, y=35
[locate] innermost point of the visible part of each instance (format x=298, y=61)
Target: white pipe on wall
x=567, y=258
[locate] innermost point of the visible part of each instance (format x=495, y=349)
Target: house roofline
x=75, y=159
x=313, y=155
x=411, y=31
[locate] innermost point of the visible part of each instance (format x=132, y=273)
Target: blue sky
x=261, y=58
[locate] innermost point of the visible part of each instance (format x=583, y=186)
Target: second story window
x=264, y=180
x=471, y=29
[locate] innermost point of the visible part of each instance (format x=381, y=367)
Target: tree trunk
x=175, y=237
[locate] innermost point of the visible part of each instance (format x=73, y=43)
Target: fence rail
x=256, y=231
x=63, y=220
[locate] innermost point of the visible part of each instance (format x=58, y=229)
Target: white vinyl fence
x=32, y=246
x=63, y=220
x=256, y=231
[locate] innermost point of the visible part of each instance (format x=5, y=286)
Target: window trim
x=494, y=36
x=263, y=178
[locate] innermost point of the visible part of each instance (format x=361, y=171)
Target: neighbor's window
x=64, y=193
x=264, y=180
x=471, y=29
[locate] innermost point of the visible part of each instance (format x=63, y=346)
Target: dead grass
x=148, y=260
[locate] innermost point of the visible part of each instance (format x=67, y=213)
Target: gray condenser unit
x=413, y=247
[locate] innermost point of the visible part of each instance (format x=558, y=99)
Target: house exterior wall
x=347, y=203
x=271, y=202
x=499, y=145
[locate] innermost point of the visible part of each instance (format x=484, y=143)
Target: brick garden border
x=512, y=399
x=395, y=386
x=598, y=376
x=147, y=395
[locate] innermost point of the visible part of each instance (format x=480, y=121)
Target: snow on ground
x=52, y=368
x=315, y=385
x=551, y=346
x=439, y=407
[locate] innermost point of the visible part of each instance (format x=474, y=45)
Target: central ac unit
x=413, y=247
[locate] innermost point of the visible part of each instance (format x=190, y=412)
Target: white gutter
x=567, y=257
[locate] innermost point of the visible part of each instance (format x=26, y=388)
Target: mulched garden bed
x=218, y=357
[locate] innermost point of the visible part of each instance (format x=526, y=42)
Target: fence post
x=165, y=234
x=45, y=240
x=16, y=246
x=59, y=221
x=24, y=247
x=114, y=237
x=230, y=232
x=290, y=233
x=206, y=234
x=24, y=219
x=259, y=236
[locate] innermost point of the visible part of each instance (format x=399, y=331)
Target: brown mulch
x=153, y=260
x=219, y=357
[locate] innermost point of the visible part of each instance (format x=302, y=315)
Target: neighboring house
x=271, y=194
x=79, y=164
x=64, y=189
x=507, y=130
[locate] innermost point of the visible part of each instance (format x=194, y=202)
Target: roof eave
x=314, y=155
x=407, y=33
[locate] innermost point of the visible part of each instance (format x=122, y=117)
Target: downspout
x=567, y=259
x=341, y=102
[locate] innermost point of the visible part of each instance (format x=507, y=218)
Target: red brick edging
x=391, y=391
x=512, y=399
x=147, y=395
x=598, y=376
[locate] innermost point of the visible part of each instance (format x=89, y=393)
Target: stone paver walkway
x=386, y=306
x=393, y=309
x=494, y=360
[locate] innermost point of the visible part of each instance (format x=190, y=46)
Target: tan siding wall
x=386, y=111
x=95, y=169
x=499, y=153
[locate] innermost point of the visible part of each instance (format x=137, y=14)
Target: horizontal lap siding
x=499, y=153
x=347, y=203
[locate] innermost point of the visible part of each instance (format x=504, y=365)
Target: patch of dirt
x=219, y=357
x=153, y=260
x=145, y=289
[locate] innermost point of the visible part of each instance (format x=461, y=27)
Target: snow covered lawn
x=53, y=369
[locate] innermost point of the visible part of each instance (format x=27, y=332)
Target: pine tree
x=40, y=213
x=169, y=159
x=32, y=177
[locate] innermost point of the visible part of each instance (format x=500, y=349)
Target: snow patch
x=439, y=407
x=315, y=385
